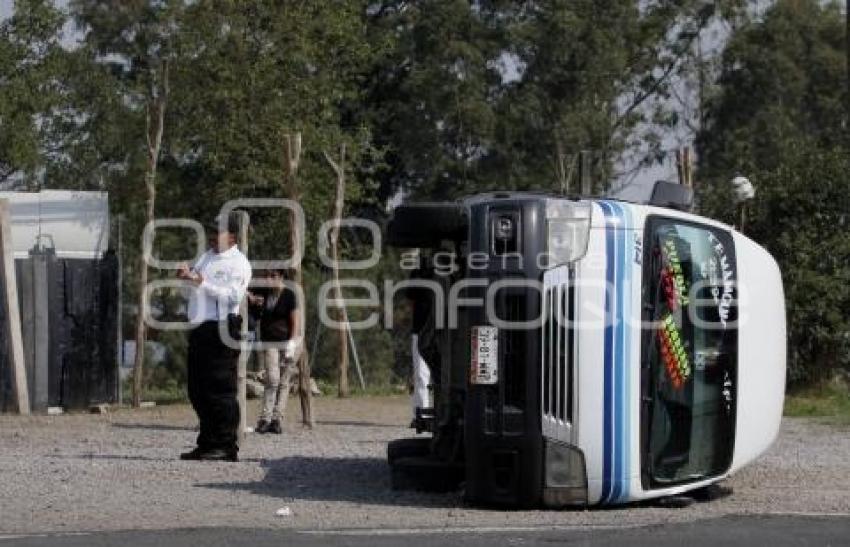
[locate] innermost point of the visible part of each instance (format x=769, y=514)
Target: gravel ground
x=119, y=472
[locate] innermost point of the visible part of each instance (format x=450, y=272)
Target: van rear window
x=689, y=352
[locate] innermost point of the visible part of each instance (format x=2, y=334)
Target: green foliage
x=436, y=98
x=780, y=119
x=493, y=95
x=31, y=91
x=802, y=216
x=829, y=403
x=782, y=79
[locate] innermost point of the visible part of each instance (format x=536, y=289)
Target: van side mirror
x=672, y=196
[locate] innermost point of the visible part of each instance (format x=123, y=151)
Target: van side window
x=689, y=352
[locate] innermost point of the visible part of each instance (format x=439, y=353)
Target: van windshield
x=689, y=352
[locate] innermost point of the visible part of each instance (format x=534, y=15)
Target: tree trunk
x=291, y=158
x=154, y=126
x=242, y=363
x=342, y=317
x=141, y=328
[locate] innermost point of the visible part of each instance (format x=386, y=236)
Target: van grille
x=514, y=350
x=558, y=342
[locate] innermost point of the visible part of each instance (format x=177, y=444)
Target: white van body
x=605, y=352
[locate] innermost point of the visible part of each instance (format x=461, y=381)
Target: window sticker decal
x=718, y=271
x=673, y=353
x=673, y=277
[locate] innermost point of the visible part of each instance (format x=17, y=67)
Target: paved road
x=774, y=530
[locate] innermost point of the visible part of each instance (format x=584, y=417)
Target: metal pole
x=354, y=353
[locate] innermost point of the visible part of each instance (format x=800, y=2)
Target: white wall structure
x=74, y=223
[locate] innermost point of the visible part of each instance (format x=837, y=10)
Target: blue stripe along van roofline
x=616, y=468
x=608, y=348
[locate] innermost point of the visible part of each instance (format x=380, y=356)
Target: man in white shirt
x=219, y=280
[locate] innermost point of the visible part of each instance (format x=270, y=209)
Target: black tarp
x=82, y=336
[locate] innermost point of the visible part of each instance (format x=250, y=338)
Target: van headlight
x=564, y=475
x=567, y=231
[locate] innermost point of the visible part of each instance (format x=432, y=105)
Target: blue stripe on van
x=624, y=290
x=620, y=353
x=616, y=445
x=608, y=353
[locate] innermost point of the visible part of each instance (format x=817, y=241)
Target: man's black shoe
x=275, y=427
x=218, y=455
x=262, y=427
x=192, y=454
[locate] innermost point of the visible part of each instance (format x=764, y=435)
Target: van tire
x=408, y=448
x=426, y=475
x=712, y=492
x=675, y=502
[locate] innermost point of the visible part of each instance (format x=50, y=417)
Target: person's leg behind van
x=271, y=365
x=287, y=371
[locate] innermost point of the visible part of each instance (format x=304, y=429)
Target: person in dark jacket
x=276, y=310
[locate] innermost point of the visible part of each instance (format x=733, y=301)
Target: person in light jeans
x=276, y=311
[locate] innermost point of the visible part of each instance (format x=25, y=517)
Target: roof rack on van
x=672, y=196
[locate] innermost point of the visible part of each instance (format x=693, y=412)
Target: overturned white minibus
x=598, y=352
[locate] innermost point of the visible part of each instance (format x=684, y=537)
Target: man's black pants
x=212, y=387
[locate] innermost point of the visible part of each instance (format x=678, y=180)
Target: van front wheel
x=408, y=448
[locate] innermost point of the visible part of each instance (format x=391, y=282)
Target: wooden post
x=244, y=353
x=154, y=126
x=13, y=314
x=689, y=173
x=564, y=167
x=342, y=317
x=680, y=166
x=291, y=160
x=584, y=174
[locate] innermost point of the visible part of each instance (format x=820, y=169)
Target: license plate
x=485, y=356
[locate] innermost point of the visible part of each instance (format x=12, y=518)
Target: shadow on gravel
x=358, y=424
x=155, y=427
x=118, y=457
x=360, y=480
